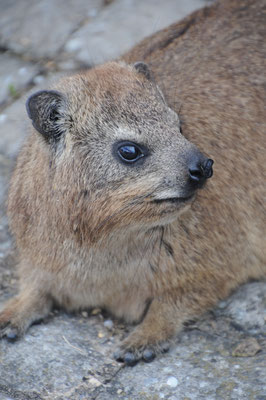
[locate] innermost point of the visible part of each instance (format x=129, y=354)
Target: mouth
x=175, y=200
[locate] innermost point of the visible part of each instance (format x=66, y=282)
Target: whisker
x=135, y=201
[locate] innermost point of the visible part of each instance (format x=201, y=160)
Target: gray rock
x=54, y=359
x=122, y=24
x=40, y=28
x=247, y=307
x=109, y=324
x=15, y=75
x=172, y=382
x=13, y=127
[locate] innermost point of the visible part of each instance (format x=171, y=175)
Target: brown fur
x=86, y=227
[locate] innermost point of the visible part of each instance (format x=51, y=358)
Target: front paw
x=8, y=329
x=10, y=332
x=132, y=350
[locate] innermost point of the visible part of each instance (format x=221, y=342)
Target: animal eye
x=129, y=152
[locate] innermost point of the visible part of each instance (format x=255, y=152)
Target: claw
x=118, y=355
x=148, y=355
x=165, y=346
x=132, y=354
x=130, y=359
x=12, y=335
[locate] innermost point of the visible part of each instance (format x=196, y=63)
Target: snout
x=199, y=170
x=180, y=190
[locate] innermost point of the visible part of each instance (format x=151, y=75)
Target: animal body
x=108, y=202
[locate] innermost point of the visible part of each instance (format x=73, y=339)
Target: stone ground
x=222, y=356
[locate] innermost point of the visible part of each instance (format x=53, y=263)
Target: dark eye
x=129, y=152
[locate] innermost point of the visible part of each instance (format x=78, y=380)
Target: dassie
x=104, y=202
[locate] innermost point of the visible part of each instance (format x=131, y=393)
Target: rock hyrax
x=105, y=204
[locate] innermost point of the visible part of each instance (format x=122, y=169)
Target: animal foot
x=8, y=330
x=10, y=333
x=131, y=353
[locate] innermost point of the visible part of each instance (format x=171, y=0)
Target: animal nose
x=200, y=170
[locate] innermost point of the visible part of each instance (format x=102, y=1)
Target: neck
x=126, y=241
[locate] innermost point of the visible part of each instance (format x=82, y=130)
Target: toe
x=126, y=356
x=130, y=359
x=164, y=347
x=148, y=355
x=118, y=355
x=11, y=334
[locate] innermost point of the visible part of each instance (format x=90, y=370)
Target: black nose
x=200, y=170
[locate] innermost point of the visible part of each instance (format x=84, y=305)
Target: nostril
x=196, y=173
x=207, y=166
x=200, y=171
x=199, y=168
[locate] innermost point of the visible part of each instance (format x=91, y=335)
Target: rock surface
x=222, y=356
x=70, y=357
x=123, y=23
x=40, y=28
x=15, y=75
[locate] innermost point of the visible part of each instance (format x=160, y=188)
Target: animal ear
x=143, y=69
x=45, y=109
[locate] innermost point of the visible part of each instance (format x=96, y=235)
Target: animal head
x=112, y=137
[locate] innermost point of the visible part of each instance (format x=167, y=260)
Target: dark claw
x=165, y=347
x=118, y=356
x=130, y=359
x=12, y=335
x=148, y=355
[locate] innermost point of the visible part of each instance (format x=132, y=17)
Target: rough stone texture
x=15, y=75
x=221, y=356
x=40, y=28
x=247, y=315
x=54, y=358
x=13, y=126
x=123, y=23
x=70, y=357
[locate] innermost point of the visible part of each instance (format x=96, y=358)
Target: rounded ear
x=45, y=110
x=143, y=69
